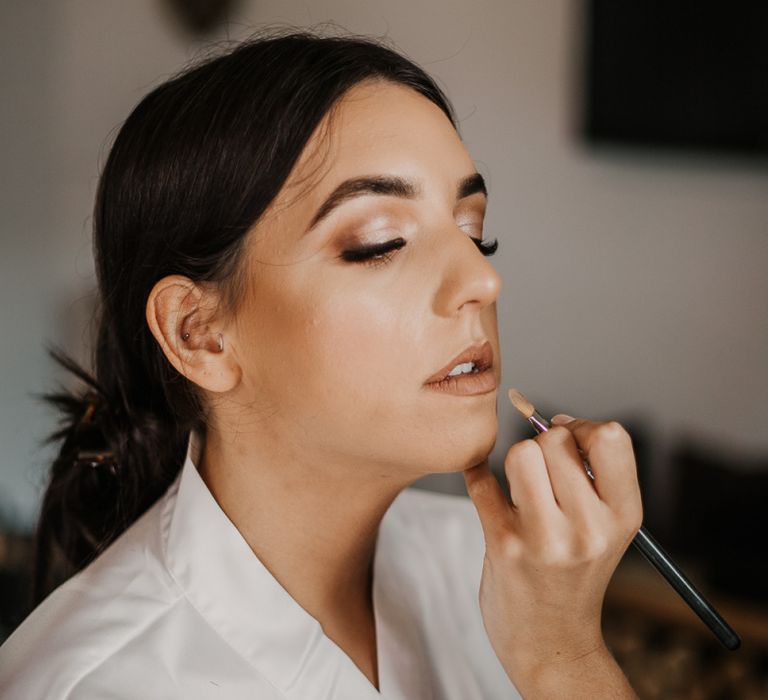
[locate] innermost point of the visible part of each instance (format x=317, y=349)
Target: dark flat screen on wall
x=677, y=74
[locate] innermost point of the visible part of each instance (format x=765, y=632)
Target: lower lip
x=467, y=384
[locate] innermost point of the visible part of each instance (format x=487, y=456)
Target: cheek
x=358, y=346
x=330, y=340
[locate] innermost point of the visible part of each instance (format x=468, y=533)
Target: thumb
x=489, y=499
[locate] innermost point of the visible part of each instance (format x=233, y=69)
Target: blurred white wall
x=634, y=283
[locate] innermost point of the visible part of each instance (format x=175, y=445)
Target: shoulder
x=91, y=616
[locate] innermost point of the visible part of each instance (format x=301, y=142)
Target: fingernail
x=561, y=419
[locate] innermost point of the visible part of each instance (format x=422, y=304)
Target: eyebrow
x=388, y=185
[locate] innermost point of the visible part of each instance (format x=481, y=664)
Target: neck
x=313, y=527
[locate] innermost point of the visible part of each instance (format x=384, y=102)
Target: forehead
x=377, y=127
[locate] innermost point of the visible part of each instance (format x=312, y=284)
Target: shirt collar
x=232, y=589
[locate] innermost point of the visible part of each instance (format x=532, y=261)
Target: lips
x=480, y=354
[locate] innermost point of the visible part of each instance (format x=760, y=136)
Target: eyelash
x=381, y=254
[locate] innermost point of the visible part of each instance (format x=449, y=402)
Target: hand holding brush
x=643, y=540
x=550, y=553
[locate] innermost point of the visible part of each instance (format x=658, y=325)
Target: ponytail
x=113, y=464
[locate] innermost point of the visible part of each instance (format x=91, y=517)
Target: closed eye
x=382, y=253
x=375, y=254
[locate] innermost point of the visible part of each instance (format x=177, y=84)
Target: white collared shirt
x=179, y=606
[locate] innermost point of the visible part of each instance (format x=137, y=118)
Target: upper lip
x=479, y=353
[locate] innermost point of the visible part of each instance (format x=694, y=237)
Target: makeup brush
x=648, y=546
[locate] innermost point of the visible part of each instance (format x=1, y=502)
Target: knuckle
x=612, y=431
x=555, y=553
x=557, y=434
x=595, y=546
x=521, y=451
x=511, y=549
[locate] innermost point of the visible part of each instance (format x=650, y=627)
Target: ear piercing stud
x=185, y=336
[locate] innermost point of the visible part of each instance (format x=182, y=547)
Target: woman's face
x=335, y=353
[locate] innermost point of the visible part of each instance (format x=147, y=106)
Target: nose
x=468, y=278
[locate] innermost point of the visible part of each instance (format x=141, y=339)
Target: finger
x=608, y=448
x=571, y=486
x=529, y=482
x=489, y=499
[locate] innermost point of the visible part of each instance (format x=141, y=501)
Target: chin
x=467, y=450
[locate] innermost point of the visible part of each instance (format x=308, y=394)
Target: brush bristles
x=521, y=403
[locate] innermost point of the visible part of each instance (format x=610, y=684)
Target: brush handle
x=653, y=552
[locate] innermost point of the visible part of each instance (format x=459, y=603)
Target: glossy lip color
x=467, y=384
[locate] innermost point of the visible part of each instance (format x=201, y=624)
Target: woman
x=289, y=250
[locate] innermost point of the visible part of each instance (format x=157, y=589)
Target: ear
x=182, y=316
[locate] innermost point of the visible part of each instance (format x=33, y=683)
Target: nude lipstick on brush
x=649, y=547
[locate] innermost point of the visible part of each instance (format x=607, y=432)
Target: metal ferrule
x=539, y=423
